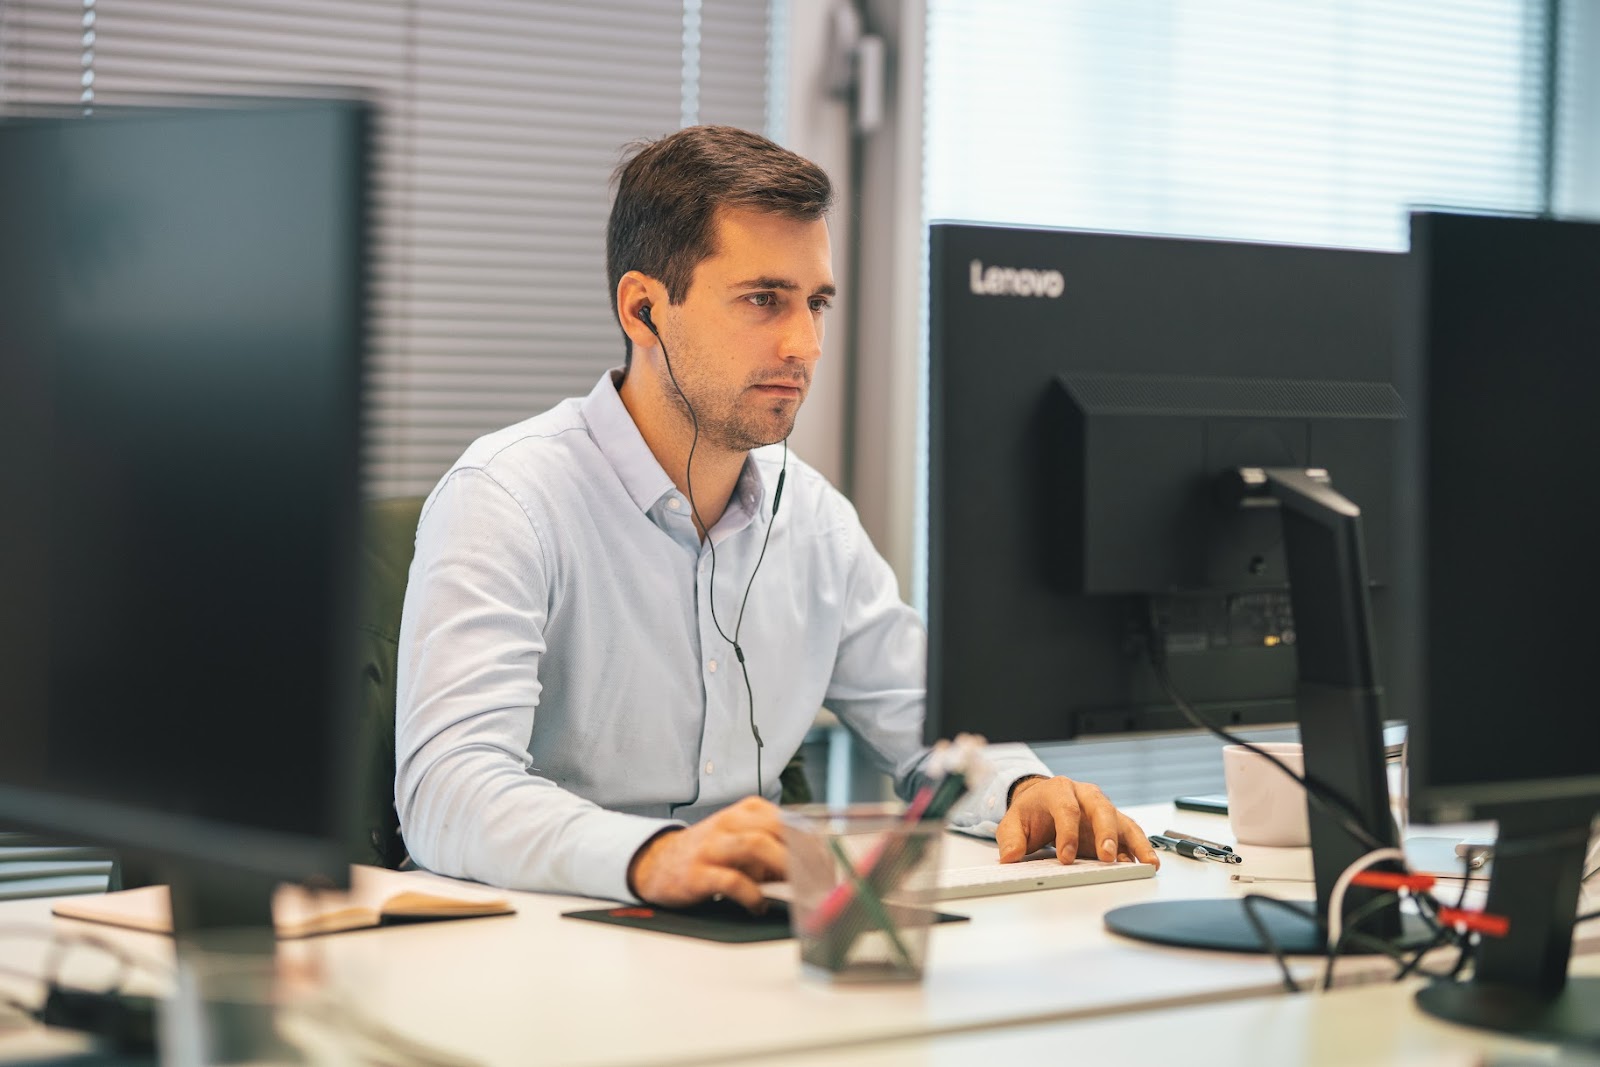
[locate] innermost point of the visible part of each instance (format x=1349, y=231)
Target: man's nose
x=803, y=339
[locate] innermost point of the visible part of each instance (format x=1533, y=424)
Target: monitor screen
x=1497, y=529
x=1500, y=521
x=180, y=360
x=1087, y=391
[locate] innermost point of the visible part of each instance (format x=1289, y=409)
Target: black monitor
x=181, y=330
x=1499, y=586
x=1094, y=399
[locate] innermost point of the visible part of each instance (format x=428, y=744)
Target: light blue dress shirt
x=563, y=692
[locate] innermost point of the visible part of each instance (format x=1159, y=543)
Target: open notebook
x=376, y=897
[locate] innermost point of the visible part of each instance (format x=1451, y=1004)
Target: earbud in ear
x=644, y=317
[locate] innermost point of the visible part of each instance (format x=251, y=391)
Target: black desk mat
x=725, y=920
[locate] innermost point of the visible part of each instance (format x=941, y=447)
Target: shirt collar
x=624, y=448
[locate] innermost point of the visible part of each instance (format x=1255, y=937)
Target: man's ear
x=637, y=292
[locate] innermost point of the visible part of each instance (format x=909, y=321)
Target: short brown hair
x=669, y=190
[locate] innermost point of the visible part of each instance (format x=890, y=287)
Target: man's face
x=746, y=338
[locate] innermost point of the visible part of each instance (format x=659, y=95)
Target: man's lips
x=779, y=388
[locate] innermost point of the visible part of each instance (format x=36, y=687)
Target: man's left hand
x=1063, y=812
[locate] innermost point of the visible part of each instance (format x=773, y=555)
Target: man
x=624, y=613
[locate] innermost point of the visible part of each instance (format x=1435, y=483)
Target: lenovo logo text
x=1010, y=281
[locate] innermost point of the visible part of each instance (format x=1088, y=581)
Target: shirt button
x=708, y=766
x=674, y=503
x=712, y=666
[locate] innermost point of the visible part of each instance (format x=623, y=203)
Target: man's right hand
x=729, y=853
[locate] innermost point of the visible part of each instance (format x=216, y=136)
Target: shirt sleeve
x=471, y=640
x=879, y=687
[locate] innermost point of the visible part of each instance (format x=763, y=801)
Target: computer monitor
x=180, y=364
x=1498, y=587
x=1090, y=396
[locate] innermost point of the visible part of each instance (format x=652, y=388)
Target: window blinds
x=500, y=122
x=1576, y=180
x=1314, y=123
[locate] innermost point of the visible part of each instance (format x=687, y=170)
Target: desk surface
x=1372, y=1024
x=504, y=989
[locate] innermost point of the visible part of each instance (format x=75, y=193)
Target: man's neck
x=669, y=436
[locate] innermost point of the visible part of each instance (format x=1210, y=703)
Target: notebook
x=376, y=898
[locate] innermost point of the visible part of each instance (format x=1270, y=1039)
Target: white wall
x=817, y=126
x=891, y=324
x=881, y=468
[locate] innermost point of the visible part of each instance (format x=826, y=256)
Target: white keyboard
x=991, y=879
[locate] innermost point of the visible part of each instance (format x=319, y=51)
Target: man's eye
x=762, y=300
x=820, y=303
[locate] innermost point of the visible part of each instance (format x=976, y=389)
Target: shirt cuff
x=610, y=846
x=980, y=813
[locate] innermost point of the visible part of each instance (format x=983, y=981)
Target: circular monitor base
x=1571, y=1017
x=1223, y=925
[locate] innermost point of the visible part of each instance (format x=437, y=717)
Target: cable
x=1361, y=914
x=694, y=509
x=1414, y=964
x=1467, y=955
x=1326, y=799
x=1427, y=908
x=1342, y=884
x=1249, y=901
x=1323, y=796
x=1466, y=941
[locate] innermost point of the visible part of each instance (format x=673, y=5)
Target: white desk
x=535, y=986
x=1372, y=1024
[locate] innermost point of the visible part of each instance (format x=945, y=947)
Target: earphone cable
x=711, y=587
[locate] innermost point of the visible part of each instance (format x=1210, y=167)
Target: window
x=1311, y=123
x=500, y=124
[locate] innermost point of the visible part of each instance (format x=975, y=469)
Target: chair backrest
x=388, y=540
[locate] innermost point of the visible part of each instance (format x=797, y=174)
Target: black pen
x=1215, y=846
x=1193, y=850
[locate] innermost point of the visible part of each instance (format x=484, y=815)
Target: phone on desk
x=1211, y=803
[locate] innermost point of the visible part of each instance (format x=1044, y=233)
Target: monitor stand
x=223, y=1008
x=1520, y=983
x=1339, y=705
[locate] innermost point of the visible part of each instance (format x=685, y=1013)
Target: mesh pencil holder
x=863, y=881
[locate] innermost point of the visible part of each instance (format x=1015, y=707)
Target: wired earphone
x=711, y=588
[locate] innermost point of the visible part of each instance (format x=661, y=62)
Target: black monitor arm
x=1339, y=701
x=1340, y=709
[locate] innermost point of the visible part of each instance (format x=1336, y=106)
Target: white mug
x=1266, y=806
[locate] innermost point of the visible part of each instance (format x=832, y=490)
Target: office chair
x=388, y=540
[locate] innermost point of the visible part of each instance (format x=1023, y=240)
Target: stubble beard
x=731, y=421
